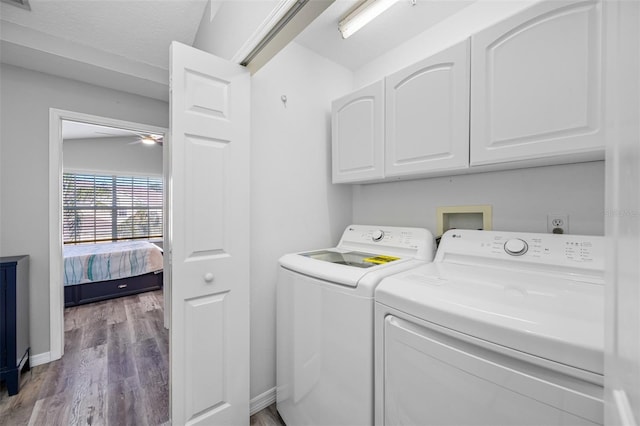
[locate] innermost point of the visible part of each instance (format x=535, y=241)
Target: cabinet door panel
x=427, y=112
x=536, y=84
x=357, y=135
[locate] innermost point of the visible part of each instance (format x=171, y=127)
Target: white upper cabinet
x=358, y=135
x=526, y=91
x=536, y=85
x=427, y=115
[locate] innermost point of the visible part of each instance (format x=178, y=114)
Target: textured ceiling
x=140, y=29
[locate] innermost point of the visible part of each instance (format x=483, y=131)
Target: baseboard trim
x=262, y=401
x=39, y=359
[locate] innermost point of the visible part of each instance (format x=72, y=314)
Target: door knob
x=208, y=277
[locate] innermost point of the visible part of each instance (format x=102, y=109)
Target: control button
x=516, y=247
x=377, y=235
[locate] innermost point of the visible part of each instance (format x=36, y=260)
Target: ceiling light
x=148, y=140
x=364, y=13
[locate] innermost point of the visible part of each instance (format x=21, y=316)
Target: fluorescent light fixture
x=364, y=13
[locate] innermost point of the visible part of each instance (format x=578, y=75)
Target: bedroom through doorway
x=112, y=212
x=111, y=287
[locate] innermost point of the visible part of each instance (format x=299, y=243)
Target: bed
x=94, y=272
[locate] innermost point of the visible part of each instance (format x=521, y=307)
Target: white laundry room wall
x=24, y=166
x=521, y=199
x=294, y=206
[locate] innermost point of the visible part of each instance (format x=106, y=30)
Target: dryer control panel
x=583, y=252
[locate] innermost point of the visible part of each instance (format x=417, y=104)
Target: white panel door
x=536, y=85
x=358, y=135
x=427, y=115
x=622, y=213
x=209, y=161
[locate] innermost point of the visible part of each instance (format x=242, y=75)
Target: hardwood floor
x=115, y=371
x=267, y=417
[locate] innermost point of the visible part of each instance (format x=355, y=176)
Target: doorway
x=56, y=296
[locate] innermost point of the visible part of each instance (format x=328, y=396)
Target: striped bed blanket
x=87, y=263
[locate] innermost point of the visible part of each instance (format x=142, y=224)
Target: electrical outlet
x=558, y=223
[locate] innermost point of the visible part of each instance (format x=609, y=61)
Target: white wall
x=521, y=199
x=115, y=155
x=26, y=97
x=294, y=206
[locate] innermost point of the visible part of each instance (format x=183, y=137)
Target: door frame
x=56, y=289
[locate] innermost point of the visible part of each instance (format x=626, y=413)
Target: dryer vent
x=463, y=217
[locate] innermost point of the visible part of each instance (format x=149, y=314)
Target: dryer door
x=433, y=378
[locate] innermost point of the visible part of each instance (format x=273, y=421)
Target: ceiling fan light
x=148, y=140
x=366, y=12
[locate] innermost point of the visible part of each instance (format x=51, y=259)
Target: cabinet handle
x=122, y=286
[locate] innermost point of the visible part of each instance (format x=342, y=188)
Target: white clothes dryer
x=325, y=312
x=502, y=328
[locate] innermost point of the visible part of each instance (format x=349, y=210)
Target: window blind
x=111, y=208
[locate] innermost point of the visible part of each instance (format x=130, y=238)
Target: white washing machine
x=325, y=312
x=501, y=329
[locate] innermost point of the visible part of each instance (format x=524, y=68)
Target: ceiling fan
x=148, y=139
x=143, y=138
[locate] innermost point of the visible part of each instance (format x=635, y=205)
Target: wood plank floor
x=267, y=417
x=115, y=371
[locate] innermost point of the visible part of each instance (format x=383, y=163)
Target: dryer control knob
x=516, y=247
x=377, y=235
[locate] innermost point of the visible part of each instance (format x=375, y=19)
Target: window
x=111, y=208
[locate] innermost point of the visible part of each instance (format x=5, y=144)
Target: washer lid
x=552, y=316
x=339, y=266
x=351, y=258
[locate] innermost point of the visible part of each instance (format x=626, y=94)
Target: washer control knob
x=516, y=247
x=377, y=235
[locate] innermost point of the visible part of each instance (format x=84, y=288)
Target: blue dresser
x=14, y=320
